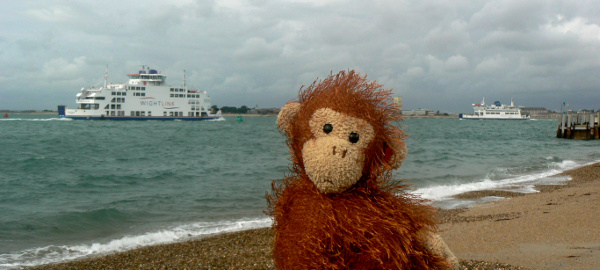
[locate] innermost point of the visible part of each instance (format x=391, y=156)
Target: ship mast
x=106, y=77
x=184, y=79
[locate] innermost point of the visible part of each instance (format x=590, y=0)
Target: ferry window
x=171, y=95
x=171, y=89
x=149, y=113
x=124, y=93
x=143, y=88
x=118, y=106
x=137, y=113
x=170, y=113
x=164, y=113
x=112, y=93
x=132, y=113
x=143, y=113
x=112, y=106
x=143, y=94
x=137, y=88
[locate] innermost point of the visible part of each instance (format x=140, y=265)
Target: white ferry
x=496, y=111
x=145, y=96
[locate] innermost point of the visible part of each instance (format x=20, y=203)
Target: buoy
x=240, y=118
x=5, y=115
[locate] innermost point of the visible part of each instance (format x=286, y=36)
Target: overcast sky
x=440, y=55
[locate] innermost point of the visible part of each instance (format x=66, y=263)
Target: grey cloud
x=438, y=55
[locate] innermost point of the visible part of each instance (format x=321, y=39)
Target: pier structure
x=579, y=126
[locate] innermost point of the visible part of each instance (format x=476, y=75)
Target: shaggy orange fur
x=375, y=224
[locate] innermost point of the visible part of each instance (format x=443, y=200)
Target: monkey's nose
x=344, y=151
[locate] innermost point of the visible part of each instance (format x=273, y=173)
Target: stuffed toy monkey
x=340, y=207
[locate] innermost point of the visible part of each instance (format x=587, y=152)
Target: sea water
x=71, y=189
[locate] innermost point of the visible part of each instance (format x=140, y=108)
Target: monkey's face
x=334, y=158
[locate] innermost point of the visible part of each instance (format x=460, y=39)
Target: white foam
x=54, y=254
x=523, y=183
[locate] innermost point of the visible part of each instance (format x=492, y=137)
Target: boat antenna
x=106, y=77
x=184, y=79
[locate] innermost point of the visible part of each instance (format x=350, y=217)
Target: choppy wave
x=55, y=254
x=442, y=195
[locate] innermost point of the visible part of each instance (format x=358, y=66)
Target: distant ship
x=146, y=96
x=496, y=111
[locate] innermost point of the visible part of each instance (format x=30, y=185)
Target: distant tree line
x=228, y=109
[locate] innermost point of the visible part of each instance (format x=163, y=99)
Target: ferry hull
x=472, y=117
x=64, y=113
x=147, y=118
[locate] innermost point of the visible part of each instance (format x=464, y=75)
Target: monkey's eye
x=327, y=128
x=353, y=137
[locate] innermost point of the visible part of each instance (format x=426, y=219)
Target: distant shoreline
x=452, y=116
x=28, y=112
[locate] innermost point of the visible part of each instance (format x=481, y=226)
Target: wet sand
x=558, y=228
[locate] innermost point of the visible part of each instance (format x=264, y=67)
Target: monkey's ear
x=395, y=153
x=286, y=116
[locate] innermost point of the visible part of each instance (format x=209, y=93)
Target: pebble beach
x=557, y=228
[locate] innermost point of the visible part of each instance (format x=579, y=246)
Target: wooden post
x=591, y=126
x=563, y=125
